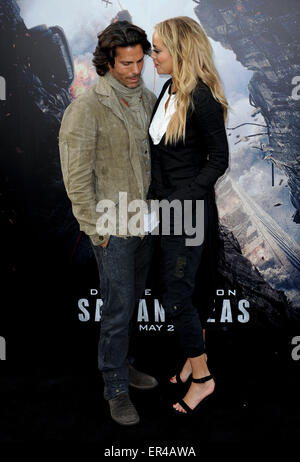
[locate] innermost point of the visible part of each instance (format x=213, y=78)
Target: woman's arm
x=208, y=115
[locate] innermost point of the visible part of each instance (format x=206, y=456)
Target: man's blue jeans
x=123, y=268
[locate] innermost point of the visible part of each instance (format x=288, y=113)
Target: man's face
x=128, y=66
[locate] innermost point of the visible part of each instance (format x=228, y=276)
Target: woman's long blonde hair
x=192, y=57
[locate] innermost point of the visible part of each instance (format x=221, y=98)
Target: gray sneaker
x=141, y=380
x=122, y=410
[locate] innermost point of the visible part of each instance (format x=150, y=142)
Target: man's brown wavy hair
x=118, y=34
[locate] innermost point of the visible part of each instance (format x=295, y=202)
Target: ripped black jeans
x=178, y=268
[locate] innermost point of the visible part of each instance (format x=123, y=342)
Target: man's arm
x=77, y=146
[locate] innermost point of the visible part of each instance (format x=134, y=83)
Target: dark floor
x=256, y=396
x=50, y=389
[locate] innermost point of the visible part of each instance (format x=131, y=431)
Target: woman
x=189, y=152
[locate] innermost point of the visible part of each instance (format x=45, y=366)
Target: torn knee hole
x=174, y=310
x=180, y=266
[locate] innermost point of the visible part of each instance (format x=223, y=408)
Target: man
x=104, y=150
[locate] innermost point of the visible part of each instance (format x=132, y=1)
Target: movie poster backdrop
x=50, y=311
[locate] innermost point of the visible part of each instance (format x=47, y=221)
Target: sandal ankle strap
x=203, y=379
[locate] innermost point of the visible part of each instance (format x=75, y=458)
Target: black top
x=189, y=170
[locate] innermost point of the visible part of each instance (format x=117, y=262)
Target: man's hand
x=104, y=244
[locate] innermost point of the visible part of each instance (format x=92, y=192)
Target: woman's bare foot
x=185, y=371
x=196, y=393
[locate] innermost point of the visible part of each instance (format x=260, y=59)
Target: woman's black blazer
x=189, y=170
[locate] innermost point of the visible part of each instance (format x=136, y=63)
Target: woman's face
x=161, y=57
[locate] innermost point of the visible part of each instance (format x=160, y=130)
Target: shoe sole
x=143, y=387
x=129, y=424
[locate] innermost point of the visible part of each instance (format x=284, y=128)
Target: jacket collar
x=107, y=97
x=102, y=87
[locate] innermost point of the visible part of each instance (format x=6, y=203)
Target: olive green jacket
x=99, y=156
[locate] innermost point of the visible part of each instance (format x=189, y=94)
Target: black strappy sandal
x=179, y=382
x=183, y=404
x=188, y=380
